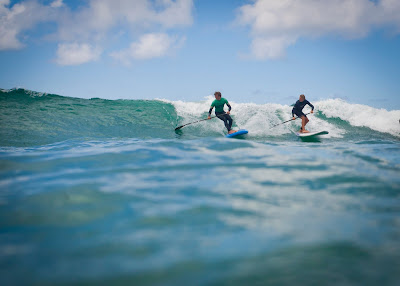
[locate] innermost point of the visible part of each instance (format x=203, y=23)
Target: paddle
x=288, y=120
x=177, y=128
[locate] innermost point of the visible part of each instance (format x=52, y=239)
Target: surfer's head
x=217, y=95
x=302, y=97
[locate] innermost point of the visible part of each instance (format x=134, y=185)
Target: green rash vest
x=219, y=105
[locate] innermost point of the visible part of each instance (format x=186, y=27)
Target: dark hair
x=217, y=93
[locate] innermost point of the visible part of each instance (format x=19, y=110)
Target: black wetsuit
x=298, y=107
x=226, y=119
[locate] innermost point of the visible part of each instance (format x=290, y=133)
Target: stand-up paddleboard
x=311, y=134
x=237, y=133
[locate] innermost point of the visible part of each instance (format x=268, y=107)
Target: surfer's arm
x=312, y=106
x=229, y=106
x=209, y=112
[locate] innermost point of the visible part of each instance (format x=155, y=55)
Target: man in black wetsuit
x=298, y=110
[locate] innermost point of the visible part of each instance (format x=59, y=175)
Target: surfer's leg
x=221, y=116
x=230, y=121
x=304, y=121
x=225, y=119
x=303, y=124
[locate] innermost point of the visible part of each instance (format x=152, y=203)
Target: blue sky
x=257, y=51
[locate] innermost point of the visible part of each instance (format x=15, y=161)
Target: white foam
x=260, y=119
x=362, y=115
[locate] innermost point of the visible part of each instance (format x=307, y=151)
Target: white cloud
x=18, y=18
x=273, y=48
x=57, y=4
x=149, y=46
x=76, y=54
x=178, y=13
x=94, y=23
x=138, y=16
x=275, y=25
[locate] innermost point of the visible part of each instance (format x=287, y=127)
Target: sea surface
x=106, y=192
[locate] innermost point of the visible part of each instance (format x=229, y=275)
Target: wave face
x=32, y=118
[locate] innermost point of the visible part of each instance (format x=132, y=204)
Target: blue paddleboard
x=237, y=133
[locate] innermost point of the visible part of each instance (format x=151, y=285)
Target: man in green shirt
x=219, y=103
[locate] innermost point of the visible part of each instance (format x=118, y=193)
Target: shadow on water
x=311, y=139
x=241, y=137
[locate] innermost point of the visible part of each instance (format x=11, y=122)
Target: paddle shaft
x=177, y=128
x=288, y=120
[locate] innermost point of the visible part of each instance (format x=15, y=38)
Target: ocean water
x=102, y=192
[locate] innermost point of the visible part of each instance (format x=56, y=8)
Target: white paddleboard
x=311, y=134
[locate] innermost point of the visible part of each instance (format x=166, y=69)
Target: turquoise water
x=100, y=192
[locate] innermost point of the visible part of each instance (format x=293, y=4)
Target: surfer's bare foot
x=232, y=131
x=305, y=131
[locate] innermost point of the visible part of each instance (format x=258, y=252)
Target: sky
x=258, y=51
